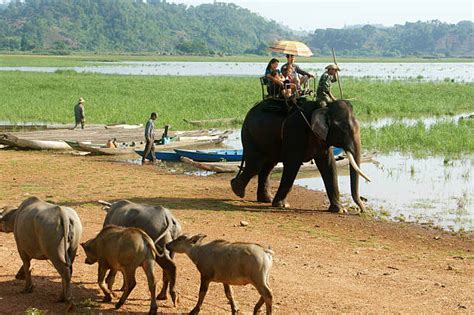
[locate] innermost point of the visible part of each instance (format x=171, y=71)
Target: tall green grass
x=441, y=138
x=49, y=97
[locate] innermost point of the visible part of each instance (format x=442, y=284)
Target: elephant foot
x=265, y=197
x=237, y=187
x=337, y=209
x=280, y=204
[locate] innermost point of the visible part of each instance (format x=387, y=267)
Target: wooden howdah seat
x=264, y=83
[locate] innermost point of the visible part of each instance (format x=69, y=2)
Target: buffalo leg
x=230, y=296
x=169, y=275
x=101, y=280
x=202, y=294
x=263, y=190
x=149, y=271
x=65, y=272
x=20, y=275
x=130, y=283
x=26, y=268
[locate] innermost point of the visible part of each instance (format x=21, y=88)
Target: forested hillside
x=64, y=26
x=128, y=26
x=432, y=38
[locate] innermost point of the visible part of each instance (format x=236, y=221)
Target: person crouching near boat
x=150, y=138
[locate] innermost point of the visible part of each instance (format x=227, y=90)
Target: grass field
x=442, y=138
x=50, y=97
x=18, y=60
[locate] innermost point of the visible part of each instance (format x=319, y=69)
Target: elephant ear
x=319, y=123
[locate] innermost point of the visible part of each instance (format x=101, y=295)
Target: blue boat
x=214, y=155
x=161, y=155
x=211, y=155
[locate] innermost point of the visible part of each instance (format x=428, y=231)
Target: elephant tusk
x=354, y=165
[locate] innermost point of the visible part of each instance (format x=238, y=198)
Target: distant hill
x=434, y=38
x=133, y=26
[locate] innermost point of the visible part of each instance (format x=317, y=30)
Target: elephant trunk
x=355, y=171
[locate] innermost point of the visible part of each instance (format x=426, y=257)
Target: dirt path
x=323, y=262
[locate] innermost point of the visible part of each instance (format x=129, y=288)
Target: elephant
x=307, y=132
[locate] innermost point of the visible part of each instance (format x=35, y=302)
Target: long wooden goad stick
x=337, y=72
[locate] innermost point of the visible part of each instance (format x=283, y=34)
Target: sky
x=308, y=15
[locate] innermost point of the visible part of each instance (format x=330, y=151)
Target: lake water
x=459, y=72
x=424, y=190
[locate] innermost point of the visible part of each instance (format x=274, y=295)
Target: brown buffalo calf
x=123, y=249
x=229, y=264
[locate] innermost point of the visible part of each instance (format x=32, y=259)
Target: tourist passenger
x=79, y=113
x=150, y=138
x=323, y=93
x=290, y=82
x=274, y=78
x=305, y=76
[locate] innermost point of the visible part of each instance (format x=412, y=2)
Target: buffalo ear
x=319, y=123
x=197, y=238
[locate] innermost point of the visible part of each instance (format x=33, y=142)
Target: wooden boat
x=123, y=126
x=14, y=141
x=170, y=156
x=97, y=149
x=211, y=155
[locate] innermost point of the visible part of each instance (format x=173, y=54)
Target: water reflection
x=430, y=190
x=459, y=72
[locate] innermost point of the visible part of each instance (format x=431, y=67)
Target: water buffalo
x=230, y=264
x=123, y=249
x=160, y=225
x=44, y=231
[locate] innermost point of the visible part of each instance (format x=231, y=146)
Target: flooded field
x=424, y=190
x=459, y=72
x=431, y=190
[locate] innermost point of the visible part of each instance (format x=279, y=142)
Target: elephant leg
x=253, y=164
x=290, y=170
x=263, y=191
x=327, y=167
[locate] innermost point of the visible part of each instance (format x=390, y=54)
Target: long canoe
x=100, y=149
x=15, y=141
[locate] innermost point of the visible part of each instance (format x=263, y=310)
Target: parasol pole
x=337, y=72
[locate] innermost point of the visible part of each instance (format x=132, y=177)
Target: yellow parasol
x=291, y=48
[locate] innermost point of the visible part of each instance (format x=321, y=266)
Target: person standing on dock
x=79, y=113
x=150, y=138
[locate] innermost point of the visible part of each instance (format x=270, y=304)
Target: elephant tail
x=241, y=167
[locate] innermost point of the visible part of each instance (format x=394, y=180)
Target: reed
x=442, y=138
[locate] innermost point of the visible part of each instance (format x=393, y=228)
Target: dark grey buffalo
x=160, y=225
x=44, y=231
